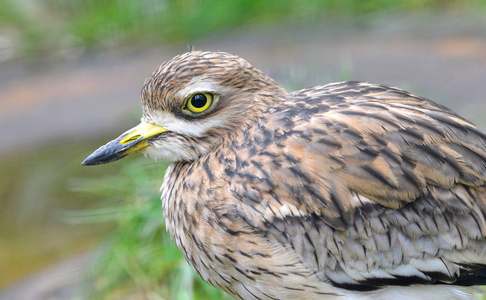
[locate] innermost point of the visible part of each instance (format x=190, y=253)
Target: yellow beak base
x=131, y=141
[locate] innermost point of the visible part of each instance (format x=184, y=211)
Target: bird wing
x=370, y=185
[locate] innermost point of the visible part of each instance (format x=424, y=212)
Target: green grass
x=34, y=194
x=52, y=209
x=46, y=26
x=137, y=257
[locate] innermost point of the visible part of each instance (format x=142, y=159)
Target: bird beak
x=131, y=141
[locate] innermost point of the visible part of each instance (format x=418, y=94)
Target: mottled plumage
x=344, y=191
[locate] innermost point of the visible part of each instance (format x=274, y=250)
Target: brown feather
x=341, y=187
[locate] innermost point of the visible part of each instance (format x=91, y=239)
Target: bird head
x=191, y=104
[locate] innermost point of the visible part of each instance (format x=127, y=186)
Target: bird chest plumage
x=348, y=190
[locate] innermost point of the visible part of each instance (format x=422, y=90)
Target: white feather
x=168, y=151
x=201, y=85
x=193, y=128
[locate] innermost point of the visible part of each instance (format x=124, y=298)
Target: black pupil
x=199, y=100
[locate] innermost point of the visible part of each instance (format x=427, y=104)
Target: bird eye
x=199, y=102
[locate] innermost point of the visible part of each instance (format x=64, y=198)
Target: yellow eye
x=199, y=102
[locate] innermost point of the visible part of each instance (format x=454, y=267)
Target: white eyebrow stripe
x=198, y=85
x=194, y=127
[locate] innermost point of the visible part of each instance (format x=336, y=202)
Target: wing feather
x=369, y=185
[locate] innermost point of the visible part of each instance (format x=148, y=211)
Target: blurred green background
x=70, y=76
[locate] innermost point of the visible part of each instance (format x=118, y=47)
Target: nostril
x=130, y=139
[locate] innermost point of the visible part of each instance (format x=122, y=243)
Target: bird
x=349, y=190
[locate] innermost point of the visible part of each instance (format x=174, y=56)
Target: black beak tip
x=92, y=160
x=105, y=154
x=96, y=159
x=88, y=162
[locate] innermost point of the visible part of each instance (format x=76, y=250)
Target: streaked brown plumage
x=344, y=191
